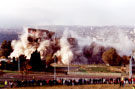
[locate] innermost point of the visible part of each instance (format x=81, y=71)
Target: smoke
x=35, y=39
x=26, y=46
x=90, y=49
x=71, y=47
x=22, y=47
x=65, y=49
x=42, y=47
x=118, y=40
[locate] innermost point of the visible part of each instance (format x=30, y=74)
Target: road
x=46, y=76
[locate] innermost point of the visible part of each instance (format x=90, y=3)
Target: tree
x=35, y=61
x=14, y=64
x=4, y=44
x=5, y=49
x=49, y=59
x=125, y=59
x=111, y=57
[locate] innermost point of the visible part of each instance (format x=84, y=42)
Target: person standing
x=122, y=82
x=6, y=83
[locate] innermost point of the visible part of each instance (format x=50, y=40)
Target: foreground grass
x=103, y=86
x=9, y=71
x=100, y=68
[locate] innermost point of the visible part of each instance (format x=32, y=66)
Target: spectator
x=6, y=83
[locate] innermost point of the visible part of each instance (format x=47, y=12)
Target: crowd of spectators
x=72, y=82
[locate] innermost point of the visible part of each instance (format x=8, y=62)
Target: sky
x=18, y=13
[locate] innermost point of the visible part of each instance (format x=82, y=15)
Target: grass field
x=99, y=68
x=95, y=68
x=105, y=86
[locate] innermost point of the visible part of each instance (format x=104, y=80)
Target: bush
x=111, y=57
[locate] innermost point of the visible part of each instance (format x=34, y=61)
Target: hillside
x=8, y=37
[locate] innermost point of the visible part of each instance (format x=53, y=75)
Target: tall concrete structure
x=130, y=67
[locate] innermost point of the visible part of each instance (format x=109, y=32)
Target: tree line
x=110, y=57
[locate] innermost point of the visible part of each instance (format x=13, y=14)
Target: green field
x=95, y=68
x=99, y=68
x=103, y=86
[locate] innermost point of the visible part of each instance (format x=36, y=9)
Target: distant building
x=37, y=35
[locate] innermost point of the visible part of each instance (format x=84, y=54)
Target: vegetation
x=49, y=59
x=5, y=49
x=111, y=57
x=82, y=70
x=99, y=69
x=35, y=61
x=9, y=71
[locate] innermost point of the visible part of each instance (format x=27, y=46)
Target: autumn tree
x=48, y=59
x=5, y=49
x=125, y=59
x=111, y=57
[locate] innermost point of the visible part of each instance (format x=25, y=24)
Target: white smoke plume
x=120, y=41
x=91, y=48
x=65, y=49
x=117, y=39
x=85, y=50
x=24, y=47
x=29, y=42
x=42, y=47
